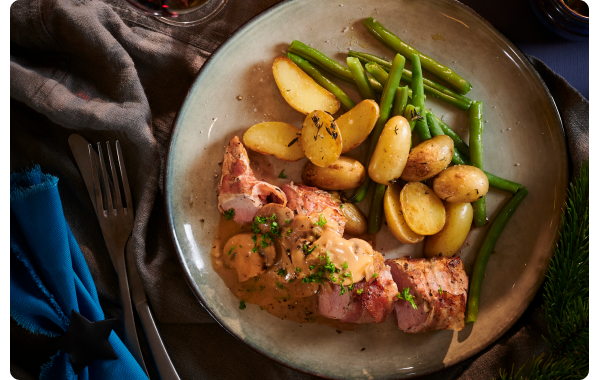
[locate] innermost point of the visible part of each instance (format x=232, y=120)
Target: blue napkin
x=49, y=277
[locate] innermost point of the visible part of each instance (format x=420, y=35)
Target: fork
x=116, y=222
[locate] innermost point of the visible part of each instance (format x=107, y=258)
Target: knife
x=166, y=370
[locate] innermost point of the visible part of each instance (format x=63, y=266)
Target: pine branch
x=566, y=295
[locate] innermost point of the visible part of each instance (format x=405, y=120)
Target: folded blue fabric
x=49, y=277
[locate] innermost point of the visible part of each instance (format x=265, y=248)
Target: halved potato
x=449, y=240
x=394, y=217
x=356, y=124
x=299, y=90
x=428, y=159
x=321, y=139
x=275, y=139
x=422, y=208
x=343, y=174
x=391, y=152
x=461, y=184
x=357, y=224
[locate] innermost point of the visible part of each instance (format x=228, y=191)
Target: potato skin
x=394, y=217
x=357, y=223
x=422, y=209
x=449, y=240
x=343, y=174
x=461, y=184
x=428, y=159
x=391, y=153
x=321, y=139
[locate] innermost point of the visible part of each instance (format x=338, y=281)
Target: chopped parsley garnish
x=229, y=214
x=345, y=266
x=359, y=291
x=254, y=238
x=288, y=232
x=298, y=270
x=279, y=285
x=321, y=221
x=282, y=272
x=375, y=275
x=282, y=174
x=333, y=278
x=307, y=249
x=311, y=267
x=230, y=251
x=287, y=221
x=241, y=305
x=406, y=296
x=340, y=206
x=440, y=290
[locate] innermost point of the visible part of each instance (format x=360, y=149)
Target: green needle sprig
x=566, y=295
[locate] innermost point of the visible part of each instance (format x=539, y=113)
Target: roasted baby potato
x=356, y=221
x=448, y=241
x=345, y=173
x=391, y=153
x=461, y=184
x=394, y=217
x=275, y=139
x=422, y=209
x=356, y=124
x=428, y=159
x=300, y=90
x=321, y=139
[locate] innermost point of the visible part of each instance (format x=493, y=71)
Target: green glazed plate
x=523, y=142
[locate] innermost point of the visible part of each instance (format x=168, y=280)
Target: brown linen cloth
x=108, y=72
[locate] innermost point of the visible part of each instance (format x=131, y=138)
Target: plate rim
x=176, y=245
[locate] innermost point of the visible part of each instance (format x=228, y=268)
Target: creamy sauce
x=270, y=275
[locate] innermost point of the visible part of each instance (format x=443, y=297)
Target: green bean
x=377, y=72
x=411, y=113
x=433, y=125
x=442, y=71
x=502, y=184
x=418, y=98
x=476, y=157
x=366, y=92
x=380, y=75
x=385, y=110
x=458, y=143
x=375, y=217
x=400, y=102
x=460, y=159
x=316, y=57
x=313, y=72
x=485, y=250
x=433, y=88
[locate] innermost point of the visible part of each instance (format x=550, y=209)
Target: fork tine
x=105, y=180
x=126, y=188
x=118, y=203
x=96, y=180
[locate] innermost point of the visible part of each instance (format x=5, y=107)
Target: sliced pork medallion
x=312, y=202
x=370, y=301
x=239, y=190
x=438, y=288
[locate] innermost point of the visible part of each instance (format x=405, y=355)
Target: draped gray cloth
x=108, y=73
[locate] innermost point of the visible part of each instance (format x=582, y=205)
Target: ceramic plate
x=523, y=142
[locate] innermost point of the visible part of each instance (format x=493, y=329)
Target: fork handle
x=130, y=332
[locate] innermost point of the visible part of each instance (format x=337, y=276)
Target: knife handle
x=165, y=367
x=131, y=341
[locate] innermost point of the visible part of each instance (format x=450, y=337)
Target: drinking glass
x=179, y=12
